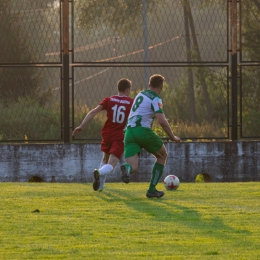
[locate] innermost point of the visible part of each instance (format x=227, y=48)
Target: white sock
x=105, y=169
x=101, y=164
x=102, y=179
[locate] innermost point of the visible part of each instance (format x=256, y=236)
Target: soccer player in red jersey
x=118, y=108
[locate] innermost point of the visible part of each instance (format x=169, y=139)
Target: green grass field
x=71, y=221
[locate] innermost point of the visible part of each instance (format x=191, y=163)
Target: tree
x=250, y=29
x=250, y=75
x=120, y=16
x=196, y=51
x=16, y=48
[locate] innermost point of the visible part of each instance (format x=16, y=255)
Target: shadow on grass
x=166, y=210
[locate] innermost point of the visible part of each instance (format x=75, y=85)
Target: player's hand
x=176, y=139
x=76, y=130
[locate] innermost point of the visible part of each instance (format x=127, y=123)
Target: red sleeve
x=104, y=103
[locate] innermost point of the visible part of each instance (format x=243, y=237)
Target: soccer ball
x=171, y=182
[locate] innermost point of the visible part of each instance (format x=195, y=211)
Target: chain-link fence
x=59, y=59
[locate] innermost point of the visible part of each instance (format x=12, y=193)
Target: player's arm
x=87, y=118
x=166, y=127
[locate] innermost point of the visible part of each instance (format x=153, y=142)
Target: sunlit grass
x=71, y=221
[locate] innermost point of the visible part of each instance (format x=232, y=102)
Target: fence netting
x=188, y=42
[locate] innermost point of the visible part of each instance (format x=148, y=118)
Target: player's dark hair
x=123, y=85
x=156, y=80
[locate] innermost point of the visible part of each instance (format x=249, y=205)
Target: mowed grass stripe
x=71, y=221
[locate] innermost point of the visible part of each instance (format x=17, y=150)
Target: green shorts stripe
x=137, y=138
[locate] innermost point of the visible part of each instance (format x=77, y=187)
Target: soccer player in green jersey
x=146, y=107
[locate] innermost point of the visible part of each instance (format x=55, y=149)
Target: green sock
x=128, y=167
x=156, y=175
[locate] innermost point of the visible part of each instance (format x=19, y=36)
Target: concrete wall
x=223, y=161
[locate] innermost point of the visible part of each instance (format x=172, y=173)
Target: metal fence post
x=146, y=45
x=234, y=131
x=65, y=73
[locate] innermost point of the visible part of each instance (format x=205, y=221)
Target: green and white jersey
x=144, y=108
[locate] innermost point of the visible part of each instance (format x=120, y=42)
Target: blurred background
x=59, y=59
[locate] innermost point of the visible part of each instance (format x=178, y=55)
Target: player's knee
x=161, y=157
x=162, y=154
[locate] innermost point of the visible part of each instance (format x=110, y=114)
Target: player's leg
x=104, y=159
x=155, y=146
x=107, y=169
x=102, y=178
x=112, y=152
x=106, y=166
x=157, y=172
x=132, y=163
x=131, y=152
x=99, y=180
x=105, y=146
x=129, y=167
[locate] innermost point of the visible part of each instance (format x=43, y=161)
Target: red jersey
x=118, y=109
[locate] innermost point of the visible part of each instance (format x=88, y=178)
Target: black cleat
x=124, y=174
x=155, y=194
x=96, y=181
